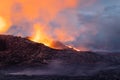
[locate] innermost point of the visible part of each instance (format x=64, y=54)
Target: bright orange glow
x=3, y=25
x=40, y=36
x=32, y=8
x=78, y=49
x=73, y=48
x=24, y=13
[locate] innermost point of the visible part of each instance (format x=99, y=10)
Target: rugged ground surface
x=20, y=56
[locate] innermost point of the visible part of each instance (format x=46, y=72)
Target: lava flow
x=76, y=49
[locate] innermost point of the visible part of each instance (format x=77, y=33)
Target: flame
x=3, y=25
x=40, y=36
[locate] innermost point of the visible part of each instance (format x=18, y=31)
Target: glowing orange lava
x=73, y=48
x=3, y=25
x=40, y=36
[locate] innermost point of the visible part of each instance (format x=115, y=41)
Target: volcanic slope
x=16, y=50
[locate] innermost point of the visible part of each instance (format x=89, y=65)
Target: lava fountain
x=40, y=36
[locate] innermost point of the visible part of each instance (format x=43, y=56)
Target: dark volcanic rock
x=17, y=50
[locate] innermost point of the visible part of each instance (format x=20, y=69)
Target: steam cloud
x=91, y=24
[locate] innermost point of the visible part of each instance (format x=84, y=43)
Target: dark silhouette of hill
x=18, y=51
